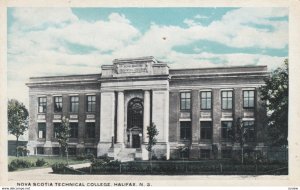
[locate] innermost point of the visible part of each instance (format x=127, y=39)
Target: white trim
x=41, y=121
x=73, y=94
x=226, y=89
x=56, y=121
x=185, y=90
x=57, y=95
x=205, y=119
x=205, y=90
x=219, y=86
x=248, y=88
x=91, y=94
x=226, y=119
x=42, y=96
x=248, y=119
x=73, y=121
x=90, y=121
x=185, y=119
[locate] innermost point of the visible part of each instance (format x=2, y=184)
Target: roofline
x=228, y=67
x=145, y=58
x=40, y=77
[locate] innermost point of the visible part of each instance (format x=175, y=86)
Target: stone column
x=146, y=114
x=107, y=122
x=120, y=118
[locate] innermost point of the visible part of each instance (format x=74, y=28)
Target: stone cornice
x=261, y=74
x=135, y=78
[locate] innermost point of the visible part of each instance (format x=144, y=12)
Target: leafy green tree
x=240, y=135
x=152, y=132
x=17, y=119
x=63, y=135
x=275, y=94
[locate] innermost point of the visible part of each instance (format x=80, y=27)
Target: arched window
x=135, y=113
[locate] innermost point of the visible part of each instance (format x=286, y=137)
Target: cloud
x=206, y=59
x=32, y=18
x=41, y=42
x=201, y=17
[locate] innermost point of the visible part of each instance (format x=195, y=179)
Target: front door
x=134, y=122
x=136, y=141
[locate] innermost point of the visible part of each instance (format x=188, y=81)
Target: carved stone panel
x=226, y=114
x=185, y=115
x=41, y=117
x=249, y=114
x=205, y=114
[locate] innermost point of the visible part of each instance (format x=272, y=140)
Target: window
x=91, y=103
x=185, y=101
x=55, y=150
x=226, y=153
x=72, y=151
x=249, y=133
x=42, y=130
x=226, y=100
x=205, y=131
x=90, y=130
x=73, y=130
x=40, y=150
x=185, y=130
x=248, y=97
x=56, y=127
x=42, y=104
x=205, y=153
x=226, y=130
x=74, y=103
x=205, y=100
x=57, y=104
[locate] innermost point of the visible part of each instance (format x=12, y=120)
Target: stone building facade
x=195, y=110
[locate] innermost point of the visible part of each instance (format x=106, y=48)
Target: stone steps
x=126, y=155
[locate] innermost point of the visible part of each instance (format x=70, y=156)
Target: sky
x=64, y=41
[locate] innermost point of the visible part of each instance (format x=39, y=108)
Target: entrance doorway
x=136, y=141
x=134, y=123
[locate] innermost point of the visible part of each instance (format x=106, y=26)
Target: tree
x=63, y=135
x=17, y=119
x=275, y=94
x=240, y=135
x=152, y=132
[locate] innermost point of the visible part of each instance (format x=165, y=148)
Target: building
x=194, y=110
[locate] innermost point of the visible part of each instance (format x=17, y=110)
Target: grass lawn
x=49, y=159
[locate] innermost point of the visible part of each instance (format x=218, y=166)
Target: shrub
x=12, y=167
x=90, y=156
x=40, y=162
x=163, y=157
x=59, y=167
x=154, y=157
x=19, y=163
x=80, y=157
x=98, y=163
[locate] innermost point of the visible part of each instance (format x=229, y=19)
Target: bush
x=98, y=163
x=80, y=157
x=90, y=156
x=40, y=162
x=12, y=167
x=58, y=167
x=19, y=163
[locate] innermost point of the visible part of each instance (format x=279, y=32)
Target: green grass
x=49, y=159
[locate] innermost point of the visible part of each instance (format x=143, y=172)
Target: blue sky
x=62, y=41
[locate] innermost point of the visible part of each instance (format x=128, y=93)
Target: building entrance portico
x=131, y=89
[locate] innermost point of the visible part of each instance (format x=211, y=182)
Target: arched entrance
x=134, y=123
